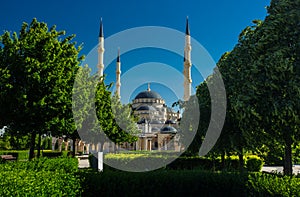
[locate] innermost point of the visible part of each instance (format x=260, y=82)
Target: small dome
x=170, y=122
x=168, y=129
x=148, y=94
x=155, y=129
x=145, y=108
x=155, y=122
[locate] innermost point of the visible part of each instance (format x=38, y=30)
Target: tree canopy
x=261, y=75
x=37, y=68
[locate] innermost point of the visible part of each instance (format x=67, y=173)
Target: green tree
x=124, y=120
x=262, y=78
x=237, y=136
x=115, y=119
x=98, y=115
x=190, y=138
x=204, y=105
x=83, y=106
x=38, y=65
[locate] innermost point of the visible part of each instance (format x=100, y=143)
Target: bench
x=8, y=158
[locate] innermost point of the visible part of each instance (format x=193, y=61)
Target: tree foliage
x=261, y=75
x=99, y=116
x=124, y=120
x=37, y=68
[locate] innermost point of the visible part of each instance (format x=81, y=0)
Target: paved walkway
x=279, y=169
x=83, y=161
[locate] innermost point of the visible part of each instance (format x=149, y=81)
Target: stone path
x=279, y=169
x=83, y=161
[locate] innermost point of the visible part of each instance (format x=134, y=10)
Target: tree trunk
x=223, y=160
x=74, y=146
x=32, y=145
x=39, y=146
x=288, y=168
x=241, y=160
x=101, y=146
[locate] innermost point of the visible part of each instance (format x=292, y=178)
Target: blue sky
x=215, y=24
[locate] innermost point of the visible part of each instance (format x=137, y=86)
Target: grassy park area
x=61, y=177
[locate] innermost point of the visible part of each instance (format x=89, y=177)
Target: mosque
x=157, y=122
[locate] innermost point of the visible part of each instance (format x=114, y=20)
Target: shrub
x=181, y=163
x=260, y=184
x=20, y=182
x=190, y=163
x=67, y=165
x=42, y=177
x=52, y=154
x=187, y=183
x=254, y=163
x=163, y=182
x=2, y=160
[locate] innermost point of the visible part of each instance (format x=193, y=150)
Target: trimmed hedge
x=162, y=183
x=253, y=163
x=187, y=183
x=260, y=184
x=38, y=183
x=42, y=177
x=52, y=154
x=61, y=177
x=24, y=154
x=67, y=165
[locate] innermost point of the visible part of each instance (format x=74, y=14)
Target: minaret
x=118, y=75
x=100, y=50
x=187, y=63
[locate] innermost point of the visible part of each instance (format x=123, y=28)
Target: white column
x=150, y=145
x=87, y=148
x=53, y=143
x=145, y=140
x=118, y=75
x=101, y=51
x=100, y=161
x=187, y=65
x=60, y=141
x=71, y=142
x=66, y=145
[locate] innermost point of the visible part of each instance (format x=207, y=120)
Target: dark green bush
x=41, y=177
x=190, y=163
x=163, y=183
x=67, y=165
x=181, y=163
x=2, y=161
x=260, y=184
x=52, y=154
x=20, y=182
x=187, y=183
x=254, y=164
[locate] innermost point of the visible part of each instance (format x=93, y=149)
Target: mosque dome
x=168, y=129
x=148, y=94
x=145, y=108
